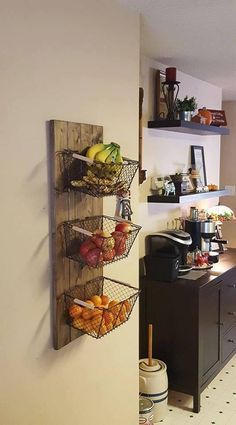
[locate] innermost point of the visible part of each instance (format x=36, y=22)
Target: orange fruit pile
x=105, y=316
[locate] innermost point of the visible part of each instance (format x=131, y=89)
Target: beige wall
x=228, y=170
x=77, y=61
x=168, y=152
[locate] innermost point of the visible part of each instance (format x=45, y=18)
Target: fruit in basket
x=75, y=311
x=85, y=247
x=123, y=227
x=108, y=317
x=121, y=248
x=114, y=307
x=109, y=255
x=97, y=301
x=103, y=329
x=103, y=240
x=78, y=323
x=87, y=313
x=110, y=326
x=122, y=312
x=127, y=306
x=94, y=325
x=105, y=299
x=108, y=152
x=94, y=257
x=120, y=242
x=97, y=313
x=94, y=149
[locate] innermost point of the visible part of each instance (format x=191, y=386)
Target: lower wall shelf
x=189, y=197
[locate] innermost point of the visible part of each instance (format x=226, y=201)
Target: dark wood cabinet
x=194, y=325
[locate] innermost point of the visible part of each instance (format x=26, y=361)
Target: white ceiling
x=198, y=37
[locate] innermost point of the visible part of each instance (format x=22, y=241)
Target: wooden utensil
x=149, y=345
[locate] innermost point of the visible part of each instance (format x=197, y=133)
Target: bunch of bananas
x=106, y=153
x=105, y=170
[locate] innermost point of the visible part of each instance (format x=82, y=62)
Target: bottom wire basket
x=111, y=304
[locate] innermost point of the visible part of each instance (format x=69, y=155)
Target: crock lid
x=145, y=405
x=156, y=365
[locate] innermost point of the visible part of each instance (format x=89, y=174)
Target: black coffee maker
x=166, y=251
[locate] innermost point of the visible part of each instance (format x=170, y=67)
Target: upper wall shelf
x=188, y=127
x=190, y=197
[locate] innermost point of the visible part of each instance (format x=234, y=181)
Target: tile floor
x=218, y=402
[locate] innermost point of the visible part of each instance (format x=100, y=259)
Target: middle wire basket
x=109, y=304
x=99, y=240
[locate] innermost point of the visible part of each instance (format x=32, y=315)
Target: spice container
x=145, y=411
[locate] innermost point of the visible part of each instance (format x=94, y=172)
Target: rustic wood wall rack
x=68, y=206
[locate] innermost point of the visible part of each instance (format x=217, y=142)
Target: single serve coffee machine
x=166, y=251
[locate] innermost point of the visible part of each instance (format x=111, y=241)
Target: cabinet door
x=209, y=331
x=229, y=343
x=228, y=301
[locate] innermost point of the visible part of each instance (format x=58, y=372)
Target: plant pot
x=185, y=115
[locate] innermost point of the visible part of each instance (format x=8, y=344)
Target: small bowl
x=213, y=257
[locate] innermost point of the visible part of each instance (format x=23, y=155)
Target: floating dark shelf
x=188, y=127
x=188, y=197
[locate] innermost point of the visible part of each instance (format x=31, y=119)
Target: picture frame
x=160, y=107
x=198, y=162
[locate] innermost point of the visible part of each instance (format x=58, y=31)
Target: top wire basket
x=95, y=178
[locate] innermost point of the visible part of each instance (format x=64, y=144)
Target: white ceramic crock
x=153, y=384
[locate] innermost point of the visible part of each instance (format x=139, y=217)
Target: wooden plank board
x=68, y=206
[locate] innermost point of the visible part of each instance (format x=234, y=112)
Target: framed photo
x=198, y=162
x=160, y=108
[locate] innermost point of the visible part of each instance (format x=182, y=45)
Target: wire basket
x=110, y=304
x=93, y=177
x=96, y=241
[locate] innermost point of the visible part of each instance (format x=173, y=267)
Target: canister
x=145, y=411
x=153, y=384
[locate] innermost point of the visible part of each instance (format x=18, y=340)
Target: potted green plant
x=186, y=107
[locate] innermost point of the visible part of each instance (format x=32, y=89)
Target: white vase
x=153, y=384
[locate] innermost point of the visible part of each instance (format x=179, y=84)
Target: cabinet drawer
x=228, y=302
x=228, y=343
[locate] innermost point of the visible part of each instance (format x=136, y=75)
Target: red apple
x=85, y=247
x=123, y=227
x=120, y=242
x=109, y=255
x=94, y=257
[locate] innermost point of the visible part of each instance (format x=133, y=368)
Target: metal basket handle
x=82, y=158
x=80, y=230
x=83, y=303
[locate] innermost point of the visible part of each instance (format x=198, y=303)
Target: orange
x=78, y=323
x=127, y=306
x=103, y=329
x=87, y=313
x=122, y=312
x=105, y=299
x=75, y=310
x=122, y=317
x=89, y=302
x=94, y=323
x=112, y=303
x=97, y=312
x=96, y=299
x=108, y=317
x=109, y=326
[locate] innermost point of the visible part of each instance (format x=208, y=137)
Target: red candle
x=170, y=74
